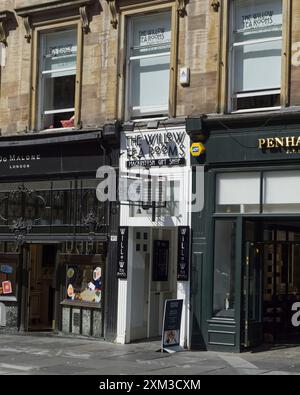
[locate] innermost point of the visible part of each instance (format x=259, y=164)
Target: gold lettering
x=290, y=141
x=261, y=143
x=270, y=143
x=279, y=142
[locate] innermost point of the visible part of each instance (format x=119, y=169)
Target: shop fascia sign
x=159, y=148
x=19, y=161
x=288, y=143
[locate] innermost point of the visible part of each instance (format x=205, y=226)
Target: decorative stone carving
x=28, y=13
x=84, y=19
x=27, y=26
x=215, y=5
x=113, y=11
x=181, y=7
x=4, y=16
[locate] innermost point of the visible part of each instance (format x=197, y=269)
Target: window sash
x=256, y=41
x=157, y=55
x=60, y=111
x=57, y=71
x=257, y=93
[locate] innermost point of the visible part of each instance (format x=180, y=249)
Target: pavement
x=45, y=354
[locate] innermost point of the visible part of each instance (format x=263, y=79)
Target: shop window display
x=8, y=273
x=84, y=283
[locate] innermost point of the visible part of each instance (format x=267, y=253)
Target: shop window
x=281, y=192
x=57, y=78
x=256, y=51
x=148, y=73
x=84, y=283
x=238, y=193
x=224, y=269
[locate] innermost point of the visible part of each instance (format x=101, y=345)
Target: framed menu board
x=160, y=260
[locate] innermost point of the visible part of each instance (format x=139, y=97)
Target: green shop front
x=246, y=241
x=57, y=248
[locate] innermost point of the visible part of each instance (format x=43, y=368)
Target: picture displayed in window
x=58, y=79
x=255, y=72
x=8, y=273
x=84, y=283
x=148, y=74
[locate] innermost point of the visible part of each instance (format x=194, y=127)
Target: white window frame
x=131, y=113
x=42, y=73
x=232, y=95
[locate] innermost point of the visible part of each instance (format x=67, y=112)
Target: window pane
x=224, y=269
x=60, y=50
x=282, y=192
x=252, y=17
x=265, y=57
x=238, y=192
x=60, y=93
x=151, y=34
x=150, y=84
x=263, y=101
x=149, y=64
x=84, y=283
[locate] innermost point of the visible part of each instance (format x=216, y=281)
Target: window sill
x=8, y=299
x=256, y=110
x=56, y=130
x=150, y=119
x=88, y=305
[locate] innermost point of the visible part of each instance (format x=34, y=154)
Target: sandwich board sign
x=171, y=326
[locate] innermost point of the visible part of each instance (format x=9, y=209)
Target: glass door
x=253, y=295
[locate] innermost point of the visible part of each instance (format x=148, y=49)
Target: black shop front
x=246, y=241
x=57, y=240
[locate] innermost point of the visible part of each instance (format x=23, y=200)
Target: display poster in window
x=258, y=15
x=153, y=33
x=183, y=253
x=84, y=283
x=122, y=252
x=7, y=280
x=171, y=325
x=160, y=260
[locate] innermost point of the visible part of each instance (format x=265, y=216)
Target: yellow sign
x=197, y=149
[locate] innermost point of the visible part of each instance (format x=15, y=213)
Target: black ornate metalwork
x=90, y=221
x=21, y=228
x=55, y=207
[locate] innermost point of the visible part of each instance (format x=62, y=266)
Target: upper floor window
x=57, y=78
x=148, y=71
x=256, y=48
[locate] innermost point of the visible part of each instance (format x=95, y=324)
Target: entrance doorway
x=153, y=279
x=41, y=287
x=272, y=287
